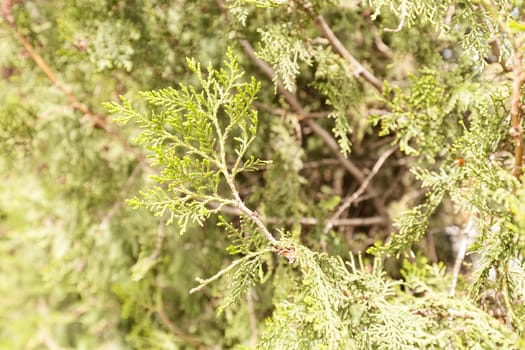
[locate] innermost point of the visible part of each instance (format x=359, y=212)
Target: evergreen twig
x=253, y=215
x=204, y=282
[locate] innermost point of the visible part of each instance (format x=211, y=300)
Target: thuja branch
x=315, y=127
x=253, y=215
x=193, y=134
x=227, y=269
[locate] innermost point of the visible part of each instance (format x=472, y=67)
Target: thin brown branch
x=516, y=130
x=316, y=128
x=97, y=120
x=284, y=113
x=177, y=331
x=359, y=69
x=379, y=43
x=320, y=163
x=253, y=215
x=306, y=221
x=351, y=199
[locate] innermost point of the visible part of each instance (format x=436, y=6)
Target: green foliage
x=420, y=117
x=111, y=51
x=341, y=93
x=190, y=134
x=281, y=194
x=263, y=254
x=284, y=48
x=475, y=26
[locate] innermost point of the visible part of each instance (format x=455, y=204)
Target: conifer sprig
x=199, y=137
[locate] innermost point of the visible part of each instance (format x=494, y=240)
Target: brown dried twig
x=284, y=113
x=316, y=128
x=177, y=331
x=359, y=69
x=352, y=198
x=306, y=221
x=516, y=130
x=97, y=120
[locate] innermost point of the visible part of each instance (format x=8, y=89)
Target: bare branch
x=316, y=128
x=307, y=221
x=99, y=121
x=359, y=69
x=284, y=113
x=176, y=330
x=516, y=130
x=379, y=43
x=350, y=199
